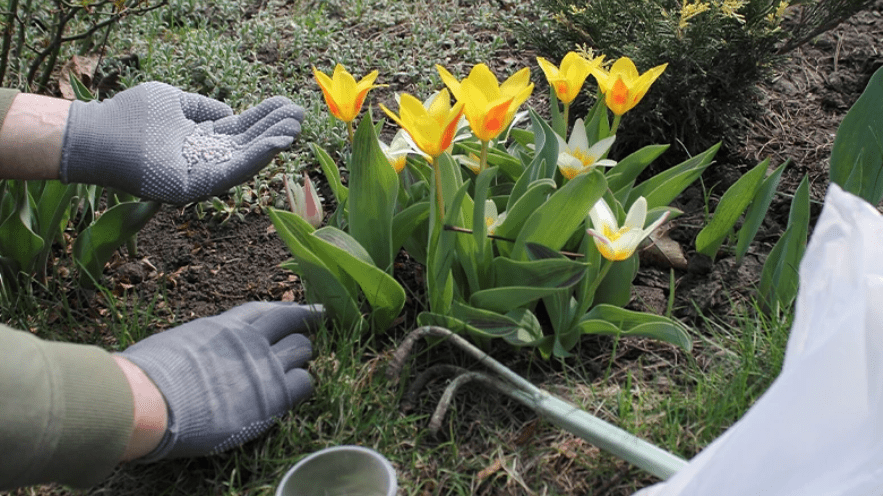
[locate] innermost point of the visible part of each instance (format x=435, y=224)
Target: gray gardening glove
x=227, y=378
x=160, y=143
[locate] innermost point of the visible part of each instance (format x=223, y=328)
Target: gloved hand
x=160, y=143
x=227, y=378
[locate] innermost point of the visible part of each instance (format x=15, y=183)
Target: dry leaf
x=662, y=251
x=79, y=67
x=490, y=470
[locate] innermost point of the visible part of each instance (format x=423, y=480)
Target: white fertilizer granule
x=207, y=148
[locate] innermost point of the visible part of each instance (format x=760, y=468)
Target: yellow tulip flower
x=622, y=86
x=489, y=105
x=432, y=129
x=343, y=94
x=567, y=81
x=619, y=243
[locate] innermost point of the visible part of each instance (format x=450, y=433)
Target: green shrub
x=717, y=53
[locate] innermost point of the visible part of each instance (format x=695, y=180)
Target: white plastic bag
x=818, y=430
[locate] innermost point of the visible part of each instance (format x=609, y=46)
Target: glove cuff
x=182, y=403
x=99, y=144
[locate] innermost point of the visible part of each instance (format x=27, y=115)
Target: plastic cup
x=340, y=471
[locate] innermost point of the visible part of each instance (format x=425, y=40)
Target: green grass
x=677, y=401
x=488, y=444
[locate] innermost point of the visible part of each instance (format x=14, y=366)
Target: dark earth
x=190, y=267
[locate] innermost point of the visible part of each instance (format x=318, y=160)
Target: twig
x=837, y=51
x=7, y=39
x=459, y=229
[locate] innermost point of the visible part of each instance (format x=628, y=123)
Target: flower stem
x=615, y=126
x=483, y=160
x=589, y=296
x=350, y=132
x=566, y=119
x=439, y=197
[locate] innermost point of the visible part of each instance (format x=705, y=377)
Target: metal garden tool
x=558, y=411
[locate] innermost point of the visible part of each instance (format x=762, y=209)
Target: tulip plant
x=511, y=223
x=35, y=214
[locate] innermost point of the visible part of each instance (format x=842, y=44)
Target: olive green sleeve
x=66, y=413
x=6, y=97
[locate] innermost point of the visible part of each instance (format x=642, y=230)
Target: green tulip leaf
x=519, y=327
x=479, y=226
x=555, y=221
x=95, y=244
x=668, y=332
x=504, y=299
x=545, y=161
x=372, y=196
x=522, y=136
x=442, y=250
x=528, y=331
x=780, y=275
x=332, y=173
x=449, y=322
x=18, y=241
x=52, y=206
x=322, y=285
x=596, y=122
x=627, y=170
x=546, y=273
x=729, y=210
x=857, y=154
x=663, y=188
x=508, y=164
x=631, y=323
x=558, y=122
x=757, y=211
x=81, y=91
x=345, y=242
x=406, y=222
x=340, y=252
x=616, y=287
x=519, y=210
x=488, y=323
x=536, y=251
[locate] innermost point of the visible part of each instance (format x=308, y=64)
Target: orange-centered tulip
x=623, y=87
x=567, y=81
x=432, y=129
x=489, y=105
x=343, y=94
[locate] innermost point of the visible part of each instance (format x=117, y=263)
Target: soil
x=199, y=267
